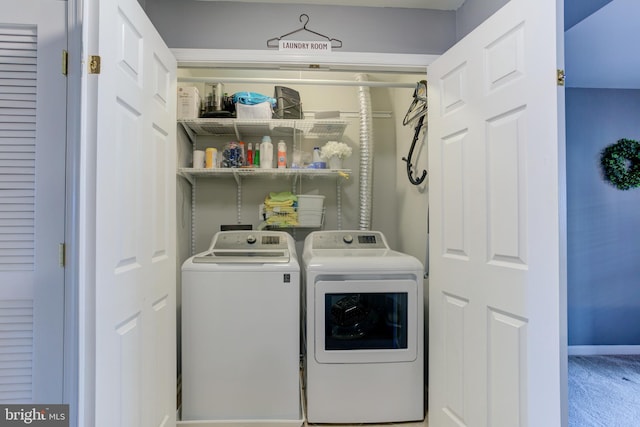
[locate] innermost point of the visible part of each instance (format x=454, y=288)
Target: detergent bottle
x=266, y=153
x=282, y=155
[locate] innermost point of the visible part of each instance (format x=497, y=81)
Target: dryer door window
x=366, y=321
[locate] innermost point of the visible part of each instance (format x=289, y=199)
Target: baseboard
x=595, y=350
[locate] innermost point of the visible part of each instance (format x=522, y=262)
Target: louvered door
x=32, y=200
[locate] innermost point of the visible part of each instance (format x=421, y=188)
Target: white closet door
x=135, y=230
x=32, y=199
x=495, y=342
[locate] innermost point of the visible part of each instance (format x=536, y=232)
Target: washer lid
x=243, y=256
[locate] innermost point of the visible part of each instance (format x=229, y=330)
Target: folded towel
x=279, y=209
x=282, y=196
x=283, y=220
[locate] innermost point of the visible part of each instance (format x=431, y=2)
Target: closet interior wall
x=398, y=208
x=215, y=201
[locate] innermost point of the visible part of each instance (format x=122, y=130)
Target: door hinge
x=560, y=77
x=94, y=64
x=61, y=254
x=65, y=62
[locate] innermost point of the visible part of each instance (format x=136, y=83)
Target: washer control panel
x=349, y=240
x=249, y=239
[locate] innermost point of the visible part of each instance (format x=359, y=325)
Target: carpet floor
x=604, y=391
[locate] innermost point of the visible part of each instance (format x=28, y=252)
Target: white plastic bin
x=310, y=218
x=260, y=111
x=308, y=202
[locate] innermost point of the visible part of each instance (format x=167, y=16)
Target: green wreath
x=621, y=164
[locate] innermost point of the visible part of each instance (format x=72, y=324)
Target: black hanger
x=417, y=109
x=335, y=43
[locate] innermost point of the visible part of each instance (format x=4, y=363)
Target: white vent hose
x=366, y=154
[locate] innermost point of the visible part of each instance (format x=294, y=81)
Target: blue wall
x=603, y=222
x=576, y=10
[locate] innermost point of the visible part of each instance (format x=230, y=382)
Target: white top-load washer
x=241, y=330
x=364, y=329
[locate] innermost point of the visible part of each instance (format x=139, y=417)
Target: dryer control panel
x=349, y=240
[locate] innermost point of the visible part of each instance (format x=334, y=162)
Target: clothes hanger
x=417, y=110
x=274, y=41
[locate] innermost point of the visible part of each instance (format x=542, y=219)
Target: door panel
x=32, y=200
x=135, y=222
x=495, y=279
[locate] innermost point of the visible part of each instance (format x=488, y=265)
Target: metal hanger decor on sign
x=335, y=43
x=417, y=110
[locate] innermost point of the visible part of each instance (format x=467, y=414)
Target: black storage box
x=288, y=104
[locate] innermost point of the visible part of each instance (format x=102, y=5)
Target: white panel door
x=495, y=280
x=135, y=335
x=32, y=200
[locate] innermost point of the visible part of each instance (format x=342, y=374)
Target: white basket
x=307, y=202
x=310, y=218
x=261, y=111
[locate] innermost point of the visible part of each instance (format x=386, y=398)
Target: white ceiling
x=412, y=4
x=601, y=51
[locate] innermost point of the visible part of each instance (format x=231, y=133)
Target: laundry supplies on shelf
x=232, y=155
x=279, y=210
x=266, y=153
x=282, y=155
x=251, y=105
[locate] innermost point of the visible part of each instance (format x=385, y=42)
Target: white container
x=316, y=155
x=260, y=111
x=266, y=153
x=309, y=202
x=198, y=159
x=188, y=103
x=310, y=218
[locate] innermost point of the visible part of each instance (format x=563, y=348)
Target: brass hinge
x=94, y=64
x=65, y=62
x=61, y=254
x=560, y=77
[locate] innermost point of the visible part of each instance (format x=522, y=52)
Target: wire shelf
x=315, y=129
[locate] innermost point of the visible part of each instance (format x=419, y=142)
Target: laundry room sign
x=314, y=47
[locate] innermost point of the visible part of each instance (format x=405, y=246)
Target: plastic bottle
x=316, y=155
x=242, y=152
x=266, y=152
x=211, y=158
x=256, y=156
x=282, y=155
x=249, y=154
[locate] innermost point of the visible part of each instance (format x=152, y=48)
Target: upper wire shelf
x=298, y=128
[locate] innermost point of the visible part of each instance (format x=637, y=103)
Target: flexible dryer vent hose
x=366, y=154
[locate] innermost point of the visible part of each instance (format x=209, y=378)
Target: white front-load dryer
x=241, y=330
x=364, y=339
